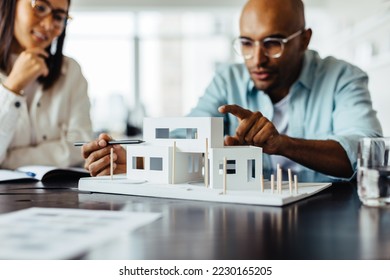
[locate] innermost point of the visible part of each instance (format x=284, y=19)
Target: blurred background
x=156, y=57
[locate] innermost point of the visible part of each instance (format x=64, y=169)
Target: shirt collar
x=251, y=85
x=306, y=76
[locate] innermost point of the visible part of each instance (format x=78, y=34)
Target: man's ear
x=306, y=37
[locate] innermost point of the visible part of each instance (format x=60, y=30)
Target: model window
x=156, y=163
x=138, y=162
x=162, y=133
x=251, y=169
x=230, y=167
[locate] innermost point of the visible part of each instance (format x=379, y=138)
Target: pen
x=31, y=174
x=113, y=142
x=28, y=173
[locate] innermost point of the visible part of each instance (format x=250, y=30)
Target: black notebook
x=42, y=173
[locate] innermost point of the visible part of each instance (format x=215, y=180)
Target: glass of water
x=374, y=171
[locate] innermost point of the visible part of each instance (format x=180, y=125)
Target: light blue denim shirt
x=330, y=100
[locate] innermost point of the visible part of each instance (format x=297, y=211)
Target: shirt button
x=17, y=104
x=39, y=104
x=44, y=137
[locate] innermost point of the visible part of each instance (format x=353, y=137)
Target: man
x=304, y=111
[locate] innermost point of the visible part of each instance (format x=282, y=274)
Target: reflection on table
x=333, y=224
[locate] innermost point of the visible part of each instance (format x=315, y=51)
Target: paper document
x=54, y=233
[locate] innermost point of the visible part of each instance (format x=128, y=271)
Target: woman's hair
x=7, y=22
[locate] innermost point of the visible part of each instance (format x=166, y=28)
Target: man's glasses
x=43, y=8
x=272, y=47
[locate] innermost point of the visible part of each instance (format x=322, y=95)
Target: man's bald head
x=282, y=13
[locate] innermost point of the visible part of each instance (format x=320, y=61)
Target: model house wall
x=174, y=152
x=244, y=167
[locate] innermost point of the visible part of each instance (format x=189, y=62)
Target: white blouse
x=43, y=131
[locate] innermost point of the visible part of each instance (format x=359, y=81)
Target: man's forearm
x=325, y=156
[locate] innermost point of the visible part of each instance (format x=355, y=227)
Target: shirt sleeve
x=354, y=116
x=11, y=105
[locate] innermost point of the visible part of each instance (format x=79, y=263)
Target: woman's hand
x=29, y=65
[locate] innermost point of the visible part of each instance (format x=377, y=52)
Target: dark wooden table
x=330, y=225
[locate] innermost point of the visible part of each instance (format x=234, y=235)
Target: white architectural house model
x=181, y=150
x=185, y=158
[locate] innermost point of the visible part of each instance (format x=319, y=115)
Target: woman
x=43, y=94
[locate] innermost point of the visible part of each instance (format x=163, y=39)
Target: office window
x=181, y=52
x=102, y=43
x=148, y=63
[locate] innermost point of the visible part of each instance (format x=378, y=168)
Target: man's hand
x=253, y=129
x=325, y=156
x=97, y=156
